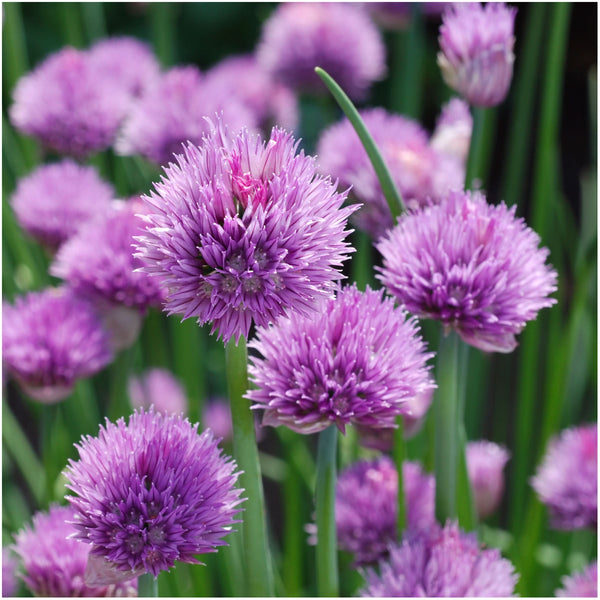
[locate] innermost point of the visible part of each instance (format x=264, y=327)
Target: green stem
x=93, y=18
x=362, y=263
x=71, y=24
x=327, y=567
x=147, y=586
x=446, y=428
x=259, y=574
x=390, y=191
x=163, y=26
x=476, y=148
x=399, y=458
x=293, y=538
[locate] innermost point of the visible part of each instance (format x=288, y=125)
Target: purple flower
x=485, y=464
x=54, y=563
x=476, y=55
x=473, y=266
x=567, y=479
x=151, y=492
x=10, y=585
x=216, y=415
x=340, y=38
x=50, y=339
x=421, y=173
x=68, y=105
x=158, y=388
x=130, y=63
x=359, y=360
x=452, y=135
x=580, y=585
x=243, y=230
x=366, y=506
x=271, y=102
x=438, y=563
x=174, y=111
x=53, y=201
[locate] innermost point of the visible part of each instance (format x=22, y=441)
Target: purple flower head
x=271, y=102
x=50, y=339
x=567, y=479
x=485, y=465
x=580, y=585
x=438, y=563
x=452, y=135
x=10, y=585
x=366, y=506
x=54, y=563
x=68, y=105
x=476, y=55
x=243, y=230
x=473, y=266
x=359, y=360
x=174, y=111
x=158, y=388
x=340, y=38
x=421, y=173
x=128, y=61
x=53, y=201
x=151, y=492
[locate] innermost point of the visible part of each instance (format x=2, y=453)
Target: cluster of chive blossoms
x=359, y=360
x=151, y=492
x=473, y=266
x=242, y=230
x=159, y=388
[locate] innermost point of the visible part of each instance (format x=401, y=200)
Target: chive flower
x=150, y=492
x=583, y=584
x=242, y=230
x=10, y=583
x=159, y=388
x=477, y=57
x=473, y=266
x=453, y=129
x=358, y=360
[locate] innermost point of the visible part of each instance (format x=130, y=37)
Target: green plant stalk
x=93, y=18
x=326, y=554
x=163, y=26
x=70, y=20
x=147, y=586
x=475, y=160
x=259, y=574
x=293, y=537
x=362, y=262
x=390, y=191
x=399, y=458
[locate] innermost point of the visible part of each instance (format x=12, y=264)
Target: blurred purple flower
x=359, y=360
x=244, y=230
x=216, y=416
x=338, y=37
x=10, y=585
x=580, y=585
x=50, y=339
x=473, y=266
x=421, y=173
x=438, y=563
x=53, y=201
x=55, y=563
x=476, y=57
x=366, y=506
x=158, y=388
x=452, y=135
x=485, y=465
x=567, y=479
x=67, y=105
x=174, y=111
x=151, y=492
x=271, y=102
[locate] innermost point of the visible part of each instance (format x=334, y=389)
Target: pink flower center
x=245, y=187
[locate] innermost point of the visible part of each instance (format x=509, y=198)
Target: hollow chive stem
x=147, y=586
x=399, y=458
x=259, y=574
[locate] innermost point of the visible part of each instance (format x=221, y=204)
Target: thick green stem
x=163, y=25
x=390, y=191
x=147, y=586
x=327, y=566
x=477, y=151
x=399, y=458
x=362, y=262
x=259, y=574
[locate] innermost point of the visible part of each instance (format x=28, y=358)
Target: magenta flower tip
x=580, y=585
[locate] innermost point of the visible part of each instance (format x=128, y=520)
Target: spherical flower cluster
x=473, y=266
x=68, y=105
x=567, y=479
x=174, y=111
x=53, y=201
x=453, y=130
x=476, y=55
x=54, y=563
x=271, y=102
x=151, y=492
x=438, y=563
x=359, y=360
x=485, y=464
x=242, y=230
x=366, y=506
x=158, y=388
x=580, y=585
x=339, y=38
x=50, y=339
x=421, y=173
